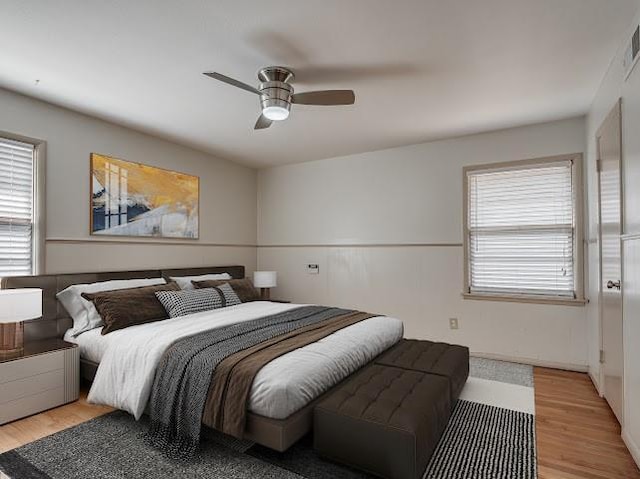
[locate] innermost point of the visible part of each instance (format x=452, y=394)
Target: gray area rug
x=480, y=442
x=512, y=373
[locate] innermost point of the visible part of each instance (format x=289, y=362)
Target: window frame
x=578, y=247
x=38, y=240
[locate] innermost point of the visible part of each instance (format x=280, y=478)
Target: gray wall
x=227, y=193
x=386, y=229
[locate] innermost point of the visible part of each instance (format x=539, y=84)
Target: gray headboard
x=55, y=319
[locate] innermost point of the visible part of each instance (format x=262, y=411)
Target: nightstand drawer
x=23, y=368
x=48, y=376
x=30, y=405
x=30, y=386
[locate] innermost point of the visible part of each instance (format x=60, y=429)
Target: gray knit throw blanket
x=184, y=374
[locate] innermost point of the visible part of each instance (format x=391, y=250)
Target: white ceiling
x=421, y=69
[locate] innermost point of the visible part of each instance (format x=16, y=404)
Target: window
x=523, y=230
x=17, y=208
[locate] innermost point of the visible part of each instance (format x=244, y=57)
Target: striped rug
x=485, y=442
x=491, y=434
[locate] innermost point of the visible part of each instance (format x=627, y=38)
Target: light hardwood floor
x=23, y=431
x=577, y=434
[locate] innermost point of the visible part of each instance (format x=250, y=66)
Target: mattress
x=128, y=358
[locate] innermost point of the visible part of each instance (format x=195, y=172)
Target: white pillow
x=185, y=281
x=84, y=314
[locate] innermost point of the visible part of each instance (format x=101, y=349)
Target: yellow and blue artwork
x=132, y=199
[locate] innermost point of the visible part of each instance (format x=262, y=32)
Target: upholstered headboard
x=55, y=319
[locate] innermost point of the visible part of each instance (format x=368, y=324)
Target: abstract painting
x=131, y=199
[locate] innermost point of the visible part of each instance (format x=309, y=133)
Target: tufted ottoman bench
x=385, y=420
x=447, y=360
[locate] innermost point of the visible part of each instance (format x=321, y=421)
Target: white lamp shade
x=20, y=304
x=265, y=279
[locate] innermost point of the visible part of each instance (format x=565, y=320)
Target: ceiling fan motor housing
x=275, y=91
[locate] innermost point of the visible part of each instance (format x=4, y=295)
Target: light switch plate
x=313, y=268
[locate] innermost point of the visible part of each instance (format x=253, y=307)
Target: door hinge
x=601, y=356
x=598, y=165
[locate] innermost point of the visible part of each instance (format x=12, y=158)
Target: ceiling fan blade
x=325, y=97
x=262, y=123
x=231, y=81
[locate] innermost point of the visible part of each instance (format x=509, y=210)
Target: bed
x=284, y=391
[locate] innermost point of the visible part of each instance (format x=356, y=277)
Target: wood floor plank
x=577, y=435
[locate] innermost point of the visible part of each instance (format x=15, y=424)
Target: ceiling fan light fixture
x=277, y=94
x=275, y=113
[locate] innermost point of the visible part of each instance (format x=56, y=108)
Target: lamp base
x=265, y=294
x=11, y=339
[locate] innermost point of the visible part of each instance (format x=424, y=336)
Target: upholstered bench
x=385, y=420
x=447, y=360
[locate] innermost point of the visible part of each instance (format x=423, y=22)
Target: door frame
x=601, y=381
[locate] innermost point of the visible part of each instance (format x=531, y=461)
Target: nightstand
x=45, y=375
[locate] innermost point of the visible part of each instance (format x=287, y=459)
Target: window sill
x=526, y=299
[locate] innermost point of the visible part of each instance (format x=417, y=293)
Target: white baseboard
x=596, y=383
x=581, y=368
x=632, y=446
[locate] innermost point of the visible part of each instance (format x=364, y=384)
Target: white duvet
x=129, y=357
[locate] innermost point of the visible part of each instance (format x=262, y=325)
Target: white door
x=609, y=144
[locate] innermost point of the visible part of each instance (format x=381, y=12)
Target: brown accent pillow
x=122, y=308
x=243, y=287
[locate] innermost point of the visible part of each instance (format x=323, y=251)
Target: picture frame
x=132, y=199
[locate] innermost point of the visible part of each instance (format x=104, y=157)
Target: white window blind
x=16, y=208
x=521, y=227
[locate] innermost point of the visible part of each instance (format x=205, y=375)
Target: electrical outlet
x=313, y=269
x=453, y=323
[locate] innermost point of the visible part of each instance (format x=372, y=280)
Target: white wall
x=386, y=229
x=613, y=87
x=227, y=193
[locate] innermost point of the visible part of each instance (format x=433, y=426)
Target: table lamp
x=16, y=306
x=265, y=280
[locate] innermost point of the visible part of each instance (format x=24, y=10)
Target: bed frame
x=272, y=433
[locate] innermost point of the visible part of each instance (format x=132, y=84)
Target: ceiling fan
x=276, y=94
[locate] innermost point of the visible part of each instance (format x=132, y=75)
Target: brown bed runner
x=226, y=405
